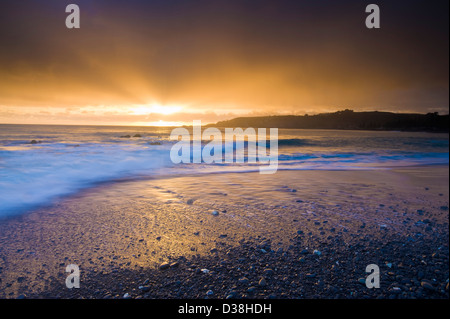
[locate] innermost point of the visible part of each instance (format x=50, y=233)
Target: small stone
x=309, y=275
x=262, y=282
x=251, y=290
x=205, y=271
x=210, y=293
x=137, y=135
x=427, y=285
x=268, y=272
x=243, y=280
x=396, y=290
x=174, y=264
x=144, y=288
x=190, y=201
x=126, y=296
x=215, y=213
x=317, y=252
x=164, y=266
x=362, y=281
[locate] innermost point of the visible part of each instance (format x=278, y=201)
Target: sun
x=155, y=108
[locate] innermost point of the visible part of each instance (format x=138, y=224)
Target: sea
x=40, y=164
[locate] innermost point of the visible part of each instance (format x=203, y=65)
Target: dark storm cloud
x=242, y=54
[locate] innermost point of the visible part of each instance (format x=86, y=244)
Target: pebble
x=317, y=252
x=215, y=213
x=126, y=296
x=396, y=290
x=427, y=285
x=251, y=290
x=268, y=272
x=243, y=280
x=164, y=266
x=262, y=282
x=144, y=288
x=210, y=293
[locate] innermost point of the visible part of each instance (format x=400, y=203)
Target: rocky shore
x=244, y=237
x=254, y=270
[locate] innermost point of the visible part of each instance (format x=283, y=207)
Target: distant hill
x=348, y=120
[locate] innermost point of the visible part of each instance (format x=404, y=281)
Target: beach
x=293, y=234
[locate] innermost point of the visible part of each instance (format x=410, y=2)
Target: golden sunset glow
x=210, y=61
x=155, y=108
x=162, y=123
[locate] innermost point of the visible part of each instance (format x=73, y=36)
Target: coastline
x=119, y=234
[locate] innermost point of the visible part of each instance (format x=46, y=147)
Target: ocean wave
x=76, y=158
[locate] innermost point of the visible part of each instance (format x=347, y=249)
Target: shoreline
x=120, y=233
x=158, y=176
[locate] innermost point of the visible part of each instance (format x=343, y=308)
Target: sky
x=167, y=62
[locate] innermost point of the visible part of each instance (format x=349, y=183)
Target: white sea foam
x=37, y=175
x=69, y=159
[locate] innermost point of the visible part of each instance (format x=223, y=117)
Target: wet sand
x=260, y=244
